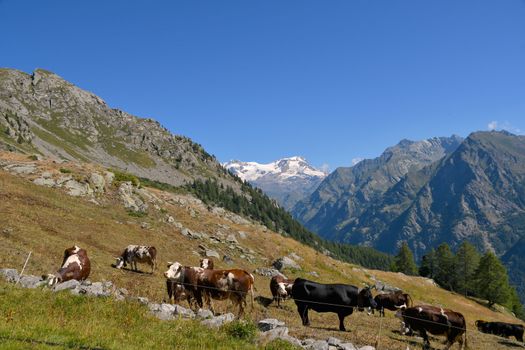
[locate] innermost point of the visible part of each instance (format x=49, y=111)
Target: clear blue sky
x=259, y=80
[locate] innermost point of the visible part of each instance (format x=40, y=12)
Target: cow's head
x=51, y=279
x=365, y=299
x=282, y=290
x=206, y=263
x=174, y=271
x=480, y=325
x=120, y=262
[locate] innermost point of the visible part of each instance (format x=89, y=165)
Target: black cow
x=501, y=328
x=338, y=298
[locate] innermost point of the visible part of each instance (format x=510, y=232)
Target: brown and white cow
x=177, y=292
x=203, y=284
x=75, y=266
x=392, y=301
x=134, y=254
x=281, y=288
x=437, y=321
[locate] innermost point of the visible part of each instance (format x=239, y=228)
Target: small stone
x=31, y=281
x=317, y=345
x=71, y=284
x=143, y=300
x=41, y=181
x=218, y=321
x=212, y=254
x=228, y=260
x=231, y=239
x=145, y=226
x=346, y=346
x=204, y=314
x=367, y=347
x=183, y=312
x=269, y=324
x=333, y=341
x=10, y=275
x=243, y=234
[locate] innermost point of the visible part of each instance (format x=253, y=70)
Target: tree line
x=466, y=272
x=252, y=203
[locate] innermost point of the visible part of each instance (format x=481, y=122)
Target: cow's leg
x=303, y=312
x=342, y=322
x=426, y=341
x=382, y=312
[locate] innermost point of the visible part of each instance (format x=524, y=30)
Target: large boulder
x=268, y=272
x=78, y=189
x=130, y=200
x=10, y=275
x=67, y=285
x=98, y=182
x=218, y=321
x=269, y=324
x=285, y=263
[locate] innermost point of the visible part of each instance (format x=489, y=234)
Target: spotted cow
x=134, y=254
x=281, y=288
x=75, y=266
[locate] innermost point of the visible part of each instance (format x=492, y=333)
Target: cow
x=392, y=301
x=437, y=321
x=75, y=266
x=338, y=298
x=137, y=253
x=204, y=284
x=501, y=329
x=177, y=292
x=281, y=288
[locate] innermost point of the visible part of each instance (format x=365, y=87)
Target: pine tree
x=445, y=274
x=428, y=266
x=491, y=281
x=466, y=262
x=404, y=261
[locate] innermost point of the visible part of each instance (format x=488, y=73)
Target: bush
x=65, y=171
x=242, y=329
x=121, y=176
x=137, y=214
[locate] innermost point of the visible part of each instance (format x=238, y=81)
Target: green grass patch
x=122, y=176
x=242, y=329
x=119, y=150
x=51, y=139
x=65, y=171
x=42, y=319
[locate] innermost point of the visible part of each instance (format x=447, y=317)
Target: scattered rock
x=121, y=294
x=67, y=285
x=145, y=226
x=294, y=256
x=367, y=347
x=231, y=239
x=10, y=275
x=313, y=273
x=162, y=311
x=143, y=300
x=317, y=345
x=333, y=341
x=269, y=324
x=96, y=289
x=218, y=321
x=109, y=177
x=243, y=234
x=170, y=219
x=77, y=189
x=212, y=254
x=129, y=199
x=285, y=263
x=46, y=175
x=30, y=281
x=98, y=182
x=346, y=346
x=183, y=312
x=204, y=314
x=41, y=181
x=21, y=168
x=228, y=260
x=267, y=272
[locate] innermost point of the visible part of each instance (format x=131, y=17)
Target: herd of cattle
x=200, y=285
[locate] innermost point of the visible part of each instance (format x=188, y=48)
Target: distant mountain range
x=286, y=180
x=429, y=192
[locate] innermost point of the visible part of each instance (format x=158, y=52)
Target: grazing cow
x=392, y=301
x=75, y=266
x=502, y=329
x=177, y=292
x=207, y=284
x=437, y=321
x=281, y=288
x=338, y=298
x=206, y=263
x=137, y=253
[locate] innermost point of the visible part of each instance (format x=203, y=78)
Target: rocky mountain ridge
x=44, y=114
x=286, y=180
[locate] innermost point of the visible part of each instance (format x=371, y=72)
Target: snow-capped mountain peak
x=282, y=168
x=287, y=180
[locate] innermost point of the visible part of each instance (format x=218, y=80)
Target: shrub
x=137, y=214
x=121, y=176
x=242, y=329
x=65, y=171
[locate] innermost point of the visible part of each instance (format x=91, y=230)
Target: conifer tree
x=466, y=262
x=491, y=281
x=445, y=274
x=404, y=261
x=428, y=266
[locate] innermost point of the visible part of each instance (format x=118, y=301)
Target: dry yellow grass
x=45, y=221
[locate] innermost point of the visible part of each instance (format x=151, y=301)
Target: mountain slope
x=347, y=192
x=286, y=180
x=42, y=113
x=44, y=220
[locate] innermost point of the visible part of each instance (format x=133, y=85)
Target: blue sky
x=260, y=80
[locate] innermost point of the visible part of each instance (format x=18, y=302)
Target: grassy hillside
x=45, y=221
